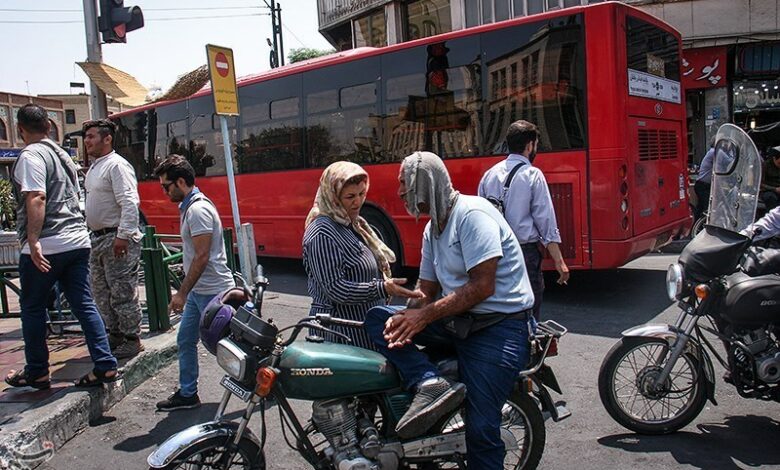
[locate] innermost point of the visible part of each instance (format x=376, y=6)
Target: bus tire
x=387, y=233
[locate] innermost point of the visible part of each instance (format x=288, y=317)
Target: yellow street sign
x=223, y=80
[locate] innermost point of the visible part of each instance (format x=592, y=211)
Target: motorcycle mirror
x=260, y=275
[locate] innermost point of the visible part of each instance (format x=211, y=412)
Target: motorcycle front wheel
x=627, y=388
x=210, y=454
x=521, y=419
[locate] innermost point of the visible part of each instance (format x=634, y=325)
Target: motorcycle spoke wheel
x=521, y=419
x=627, y=385
x=210, y=454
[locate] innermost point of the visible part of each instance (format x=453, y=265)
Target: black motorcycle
x=657, y=378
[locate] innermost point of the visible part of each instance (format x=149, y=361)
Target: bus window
x=342, y=118
x=270, y=129
x=433, y=100
x=206, y=152
x=130, y=140
x=535, y=72
x=651, y=50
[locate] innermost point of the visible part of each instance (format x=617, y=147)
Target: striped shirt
x=344, y=278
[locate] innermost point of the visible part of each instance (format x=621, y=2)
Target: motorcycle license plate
x=236, y=388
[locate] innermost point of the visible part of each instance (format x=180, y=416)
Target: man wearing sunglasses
x=206, y=272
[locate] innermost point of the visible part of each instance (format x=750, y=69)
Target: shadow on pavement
x=171, y=423
x=718, y=445
x=605, y=303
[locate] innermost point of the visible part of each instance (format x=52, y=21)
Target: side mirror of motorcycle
x=260, y=278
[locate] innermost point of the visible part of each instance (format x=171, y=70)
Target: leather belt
x=103, y=231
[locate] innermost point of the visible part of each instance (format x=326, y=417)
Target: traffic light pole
x=94, y=55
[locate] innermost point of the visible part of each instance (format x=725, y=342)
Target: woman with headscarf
x=347, y=264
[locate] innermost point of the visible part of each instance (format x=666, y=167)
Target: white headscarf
x=427, y=181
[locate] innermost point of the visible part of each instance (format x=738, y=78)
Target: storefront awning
x=121, y=86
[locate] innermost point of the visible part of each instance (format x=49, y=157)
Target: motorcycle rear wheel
x=624, y=381
x=207, y=455
x=522, y=417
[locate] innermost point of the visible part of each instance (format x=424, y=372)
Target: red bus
x=602, y=82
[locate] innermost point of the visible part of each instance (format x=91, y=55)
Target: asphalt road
x=595, y=306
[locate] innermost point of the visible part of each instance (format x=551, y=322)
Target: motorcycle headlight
x=674, y=281
x=231, y=359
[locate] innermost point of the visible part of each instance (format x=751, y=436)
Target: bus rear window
x=652, y=50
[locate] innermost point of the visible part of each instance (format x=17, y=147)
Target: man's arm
x=202, y=245
x=560, y=265
x=125, y=189
x=402, y=327
x=430, y=290
x=35, y=207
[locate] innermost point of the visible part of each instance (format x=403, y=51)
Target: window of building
x=427, y=18
x=54, y=133
x=3, y=131
x=534, y=6
x=371, y=30
x=70, y=116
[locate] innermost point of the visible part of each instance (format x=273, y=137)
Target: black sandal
x=21, y=378
x=100, y=378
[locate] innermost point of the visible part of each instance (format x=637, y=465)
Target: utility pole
x=276, y=28
x=94, y=55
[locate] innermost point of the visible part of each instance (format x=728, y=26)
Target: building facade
x=76, y=110
x=10, y=104
x=731, y=48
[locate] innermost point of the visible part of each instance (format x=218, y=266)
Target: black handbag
x=461, y=326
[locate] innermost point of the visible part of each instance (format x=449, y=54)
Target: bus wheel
x=386, y=232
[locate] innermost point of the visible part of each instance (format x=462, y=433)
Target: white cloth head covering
x=427, y=181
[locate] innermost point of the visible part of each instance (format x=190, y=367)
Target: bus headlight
x=231, y=359
x=674, y=281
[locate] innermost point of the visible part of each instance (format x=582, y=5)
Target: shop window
x=3, y=131
x=371, y=30
x=427, y=18
x=70, y=116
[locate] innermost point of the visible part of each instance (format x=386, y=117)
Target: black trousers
x=533, y=264
x=702, y=191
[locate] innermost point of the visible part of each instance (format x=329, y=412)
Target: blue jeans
x=187, y=340
x=488, y=363
x=71, y=270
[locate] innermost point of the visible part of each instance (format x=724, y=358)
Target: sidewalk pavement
x=33, y=423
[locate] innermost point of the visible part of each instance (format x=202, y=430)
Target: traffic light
x=116, y=20
x=436, y=78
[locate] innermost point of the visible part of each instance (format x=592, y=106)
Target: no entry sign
x=223, y=80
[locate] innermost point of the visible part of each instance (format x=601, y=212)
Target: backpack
x=498, y=203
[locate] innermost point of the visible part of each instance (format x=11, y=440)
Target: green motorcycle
x=357, y=400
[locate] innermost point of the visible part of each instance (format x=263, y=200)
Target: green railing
x=160, y=275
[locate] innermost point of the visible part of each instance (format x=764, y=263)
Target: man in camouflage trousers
x=112, y=216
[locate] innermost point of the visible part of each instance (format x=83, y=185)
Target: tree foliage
x=306, y=53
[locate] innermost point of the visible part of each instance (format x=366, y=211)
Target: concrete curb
x=42, y=429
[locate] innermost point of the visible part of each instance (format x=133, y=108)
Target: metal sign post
x=223, y=88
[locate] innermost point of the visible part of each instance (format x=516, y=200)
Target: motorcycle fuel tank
x=315, y=371
x=751, y=301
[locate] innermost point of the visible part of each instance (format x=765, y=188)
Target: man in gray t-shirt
x=206, y=272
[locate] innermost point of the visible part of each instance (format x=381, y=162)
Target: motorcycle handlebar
x=325, y=319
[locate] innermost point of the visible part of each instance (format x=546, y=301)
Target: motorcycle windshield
x=736, y=180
